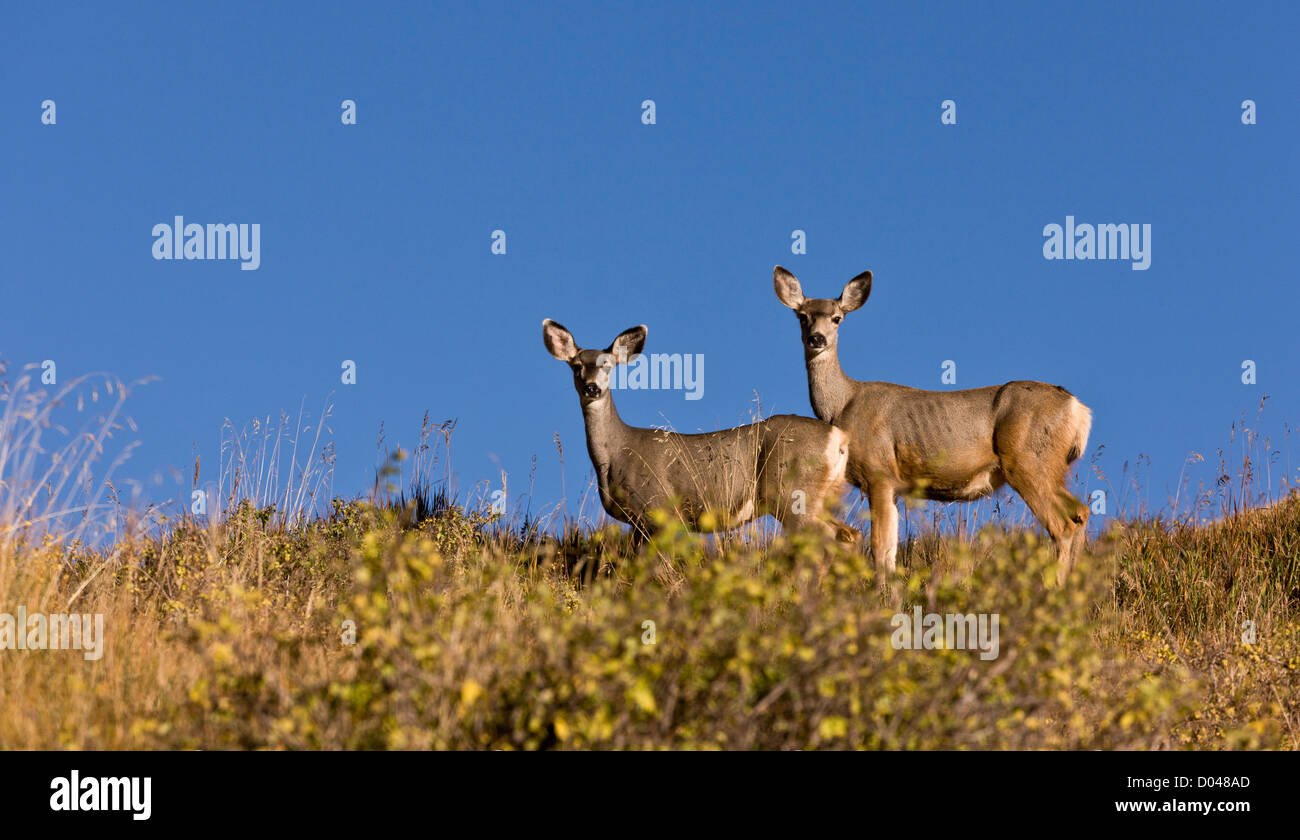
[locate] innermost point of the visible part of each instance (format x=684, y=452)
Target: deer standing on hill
x=791, y=467
x=950, y=446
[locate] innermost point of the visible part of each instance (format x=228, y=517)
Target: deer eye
x=803, y=319
x=836, y=319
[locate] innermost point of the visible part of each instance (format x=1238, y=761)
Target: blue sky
x=375, y=238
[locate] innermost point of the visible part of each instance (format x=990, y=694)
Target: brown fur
x=733, y=475
x=951, y=446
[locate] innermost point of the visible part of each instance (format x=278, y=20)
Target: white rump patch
x=837, y=453
x=1081, y=423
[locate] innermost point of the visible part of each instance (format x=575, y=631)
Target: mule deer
x=791, y=467
x=950, y=446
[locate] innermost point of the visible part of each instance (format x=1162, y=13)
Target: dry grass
x=481, y=630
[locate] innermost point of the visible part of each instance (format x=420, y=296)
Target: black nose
x=816, y=341
x=590, y=391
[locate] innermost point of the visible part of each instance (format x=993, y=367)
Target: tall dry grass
x=482, y=629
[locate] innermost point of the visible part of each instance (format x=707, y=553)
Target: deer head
x=819, y=318
x=592, y=368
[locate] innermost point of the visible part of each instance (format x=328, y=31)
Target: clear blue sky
x=375, y=238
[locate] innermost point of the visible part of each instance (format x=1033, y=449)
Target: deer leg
x=1076, y=513
x=639, y=536
x=800, y=503
x=817, y=516
x=1050, y=507
x=844, y=532
x=835, y=528
x=792, y=522
x=820, y=520
x=884, y=525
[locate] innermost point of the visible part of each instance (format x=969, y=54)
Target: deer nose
x=816, y=341
x=590, y=391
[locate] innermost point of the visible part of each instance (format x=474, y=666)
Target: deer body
x=950, y=446
x=787, y=466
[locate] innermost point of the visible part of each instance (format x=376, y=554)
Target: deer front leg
x=884, y=525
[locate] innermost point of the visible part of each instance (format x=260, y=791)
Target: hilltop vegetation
x=412, y=621
x=467, y=636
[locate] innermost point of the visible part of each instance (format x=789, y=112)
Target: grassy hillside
x=413, y=622
x=468, y=636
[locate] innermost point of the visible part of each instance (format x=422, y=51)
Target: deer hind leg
x=843, y=532
x=816, y=519
x=792, y=522
x=809, y=510
x=806, y=498
x=837, y=460
x=884, y=525
x=1060, y=513
x=1077, y=514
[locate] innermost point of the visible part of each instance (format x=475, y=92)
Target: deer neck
x=829, y=387
x=606, y=431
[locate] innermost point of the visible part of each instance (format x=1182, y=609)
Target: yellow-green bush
x=784, y=648
x=235, y=638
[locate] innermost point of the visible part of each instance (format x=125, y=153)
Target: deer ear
x=558, y=340
x=856, y=292
x=629, y=343
x=788, y=290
